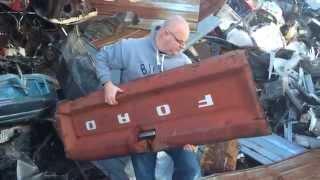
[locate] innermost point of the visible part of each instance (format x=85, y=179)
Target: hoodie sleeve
x=187, y=59
x=109, y=57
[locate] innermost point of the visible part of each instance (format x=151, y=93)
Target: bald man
x=137, y=58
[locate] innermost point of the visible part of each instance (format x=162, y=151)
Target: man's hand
x=190, y=147
x=110, y=93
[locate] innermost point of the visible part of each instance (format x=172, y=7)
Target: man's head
x=172, y=36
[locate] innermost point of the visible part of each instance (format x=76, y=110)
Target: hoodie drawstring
x=160, y=61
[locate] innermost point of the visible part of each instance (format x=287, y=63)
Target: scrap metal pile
x=283, y=39
x=47, y=54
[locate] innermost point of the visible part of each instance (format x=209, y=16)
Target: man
x=137, y=58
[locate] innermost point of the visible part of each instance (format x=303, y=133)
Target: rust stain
x=305, y=166
x=220, y=157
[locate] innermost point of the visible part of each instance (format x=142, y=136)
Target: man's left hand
x=190, y=147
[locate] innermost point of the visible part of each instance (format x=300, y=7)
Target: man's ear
x=165, y=31
x=162, y=33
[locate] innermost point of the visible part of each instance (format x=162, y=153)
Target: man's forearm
x=103, y=71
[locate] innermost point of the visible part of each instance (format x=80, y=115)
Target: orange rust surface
x=305, y=166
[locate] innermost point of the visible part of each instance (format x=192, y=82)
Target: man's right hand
x=110, y=93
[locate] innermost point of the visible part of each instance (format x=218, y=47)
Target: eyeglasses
x=180, y=42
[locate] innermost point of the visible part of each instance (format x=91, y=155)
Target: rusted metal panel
x=161, y=9
x=220, y=157
x=204, y=27
x=208, y=7
x=127, y=33
x=151, y=11
x=305, y=166
x=207, y=102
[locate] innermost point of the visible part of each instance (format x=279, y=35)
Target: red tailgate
x=211, y=101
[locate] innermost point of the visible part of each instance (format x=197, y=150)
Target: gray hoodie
x=135, y=58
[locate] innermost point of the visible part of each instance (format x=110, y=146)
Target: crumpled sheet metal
x=304, y=166
x=211, y=101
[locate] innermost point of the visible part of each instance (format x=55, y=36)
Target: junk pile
x=47, y=52
x=282, y=40
x=30, y=49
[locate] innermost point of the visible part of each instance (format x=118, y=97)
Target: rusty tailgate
x=211, y=101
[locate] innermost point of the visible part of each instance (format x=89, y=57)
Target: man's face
x=174, y=40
